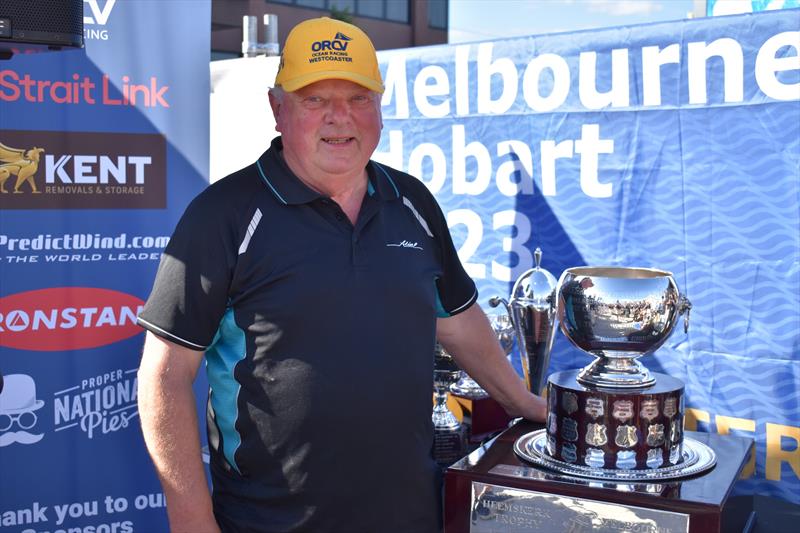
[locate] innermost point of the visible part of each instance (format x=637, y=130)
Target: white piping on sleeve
x=251, y=228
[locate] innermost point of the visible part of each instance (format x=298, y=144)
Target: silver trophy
x=613, y=419
x=532, y=313
x=618, y=314
x=504, y=331
x=448, y=434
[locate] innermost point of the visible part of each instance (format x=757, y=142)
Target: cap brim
x=313, y=77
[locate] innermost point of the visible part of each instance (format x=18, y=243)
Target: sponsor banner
x=72, y=170
x=100, y=151
x=671, y=145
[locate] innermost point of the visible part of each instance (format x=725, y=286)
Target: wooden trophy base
x=493, y=490
x=482, y=417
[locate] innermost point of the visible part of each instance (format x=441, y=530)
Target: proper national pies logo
x=67, y=318
x=78, y=170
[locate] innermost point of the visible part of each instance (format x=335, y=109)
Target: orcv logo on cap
x=339, y=42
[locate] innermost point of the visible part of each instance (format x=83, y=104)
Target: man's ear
x=275, y=104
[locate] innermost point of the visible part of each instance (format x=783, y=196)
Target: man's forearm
x=471, y=341
x=169, y=424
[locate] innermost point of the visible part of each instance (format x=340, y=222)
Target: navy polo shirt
x=319, y=340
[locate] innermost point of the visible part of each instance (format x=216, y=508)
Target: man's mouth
x=337, y=140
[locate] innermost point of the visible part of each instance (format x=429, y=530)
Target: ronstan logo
x=67, y=318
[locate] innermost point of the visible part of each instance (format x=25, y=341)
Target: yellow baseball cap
x=327, y=49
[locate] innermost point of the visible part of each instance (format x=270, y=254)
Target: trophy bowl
x=618, y=314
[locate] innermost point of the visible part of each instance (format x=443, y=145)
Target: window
x=371, y=8
x=397, y=10
x=393, y=10
x=437, y=14
x=343, y=5
x=319, y=4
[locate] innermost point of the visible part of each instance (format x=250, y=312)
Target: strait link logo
x=80, y=247
x=71, y=170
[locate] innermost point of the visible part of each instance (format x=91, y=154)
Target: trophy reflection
x=448, y=435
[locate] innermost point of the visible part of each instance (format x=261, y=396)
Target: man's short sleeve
x=455, y=289
x=190, y=293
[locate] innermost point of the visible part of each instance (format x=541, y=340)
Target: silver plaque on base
x=497, y=509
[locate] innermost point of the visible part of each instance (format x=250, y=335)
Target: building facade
x=389, y=23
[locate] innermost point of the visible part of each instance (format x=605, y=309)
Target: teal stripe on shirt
x=225, y=352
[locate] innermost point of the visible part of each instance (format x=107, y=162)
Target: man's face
x=329, y=128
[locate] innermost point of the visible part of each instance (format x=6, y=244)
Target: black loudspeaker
x=40, y=25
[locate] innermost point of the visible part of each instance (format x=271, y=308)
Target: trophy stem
x=468, y=388
x=443, y=418
x=616, y=372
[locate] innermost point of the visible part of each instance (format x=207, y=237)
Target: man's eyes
x=358, y=99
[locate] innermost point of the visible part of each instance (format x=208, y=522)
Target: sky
x=478, y=20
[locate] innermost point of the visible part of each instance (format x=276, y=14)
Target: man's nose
x=338, y=109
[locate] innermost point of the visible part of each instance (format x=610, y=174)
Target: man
x=312, y=280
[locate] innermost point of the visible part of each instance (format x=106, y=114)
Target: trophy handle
x=494, y=301
x=684, y=305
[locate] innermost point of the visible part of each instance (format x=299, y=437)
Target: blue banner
x=100, y=151
x=670, y=145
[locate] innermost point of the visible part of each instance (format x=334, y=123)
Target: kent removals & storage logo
x=78, y=170
x=331, y=50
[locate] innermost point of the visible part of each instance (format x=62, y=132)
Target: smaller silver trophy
x=504, y=331
x=532, y=314
x=449, y=442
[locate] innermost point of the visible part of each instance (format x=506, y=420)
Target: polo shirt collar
x=290, y=190
x=382, y=185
